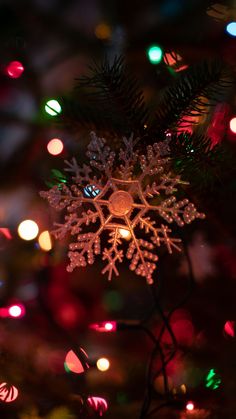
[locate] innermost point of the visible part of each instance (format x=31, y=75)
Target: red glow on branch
x=98, y=404
x=108, y=326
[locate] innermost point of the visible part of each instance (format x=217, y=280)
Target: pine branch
x=190, y=95
x=200, y=163
x=111, y=100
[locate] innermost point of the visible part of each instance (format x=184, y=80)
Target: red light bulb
x=98, y=404
x=108, y=326
x=229, y=328
x=14, y=69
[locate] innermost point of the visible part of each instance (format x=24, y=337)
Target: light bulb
x=55, y=146
x=28, y=230
x=103, y=364
x=53, y=107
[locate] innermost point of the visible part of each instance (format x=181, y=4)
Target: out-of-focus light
x=190, y=406
x=45, y=241
x=6, y=233
x=213, y=380
x=104, y=326
x=125, y=233
x=154, y=54
x=55, y=146
x=103, y=364
x=229, y=328
x=103, y=31
x=232, y=125
x=8, y=393
x=72, y=363
x=14, y=69
x=98, y=404
x=53, y=107
x=175, y=61
x=231, y=28
x=16, y=310
x=91, y=191
x=28, y=230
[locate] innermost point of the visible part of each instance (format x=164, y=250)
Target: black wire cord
x=150, y=375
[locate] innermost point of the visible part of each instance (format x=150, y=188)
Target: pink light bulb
x=16, y=310
x=110, y=326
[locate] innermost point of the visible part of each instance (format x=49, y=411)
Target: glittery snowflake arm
x=172, y=210
x=127, y=157
x=159, y=235
x=87, y=244
x=167, y=184
x=113, y=255
x=60, y=197
x=155, y=160
x=101, y=157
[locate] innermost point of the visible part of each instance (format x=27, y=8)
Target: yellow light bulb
x=45, y=241
x=232, y=125
x=28, y=230
x=103, y=364
x=125, y=233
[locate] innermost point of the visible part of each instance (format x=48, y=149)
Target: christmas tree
x=117, y=288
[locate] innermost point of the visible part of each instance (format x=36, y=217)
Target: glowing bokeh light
x=110, y=326
x=125, y=233
x=73, y=364
x=174, y=60
x=55, y=146
x=103, y=31
x=8, y=393
x=190, y=406
x=16, y=310
x=98, y=404
x=231, y=28
x=103, y=364
x=53, y=107
x=45, y=241
x=6, y=233
x=154, y=54
x=28, y=230
x=14, y=69
x=232, y=125
x=229, y=328
x=213, y=380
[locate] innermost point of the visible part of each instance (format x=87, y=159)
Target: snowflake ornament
x=117, y=198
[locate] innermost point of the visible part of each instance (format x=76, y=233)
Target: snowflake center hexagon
x=120, y=203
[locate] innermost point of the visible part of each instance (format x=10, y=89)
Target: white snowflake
x=120, y=201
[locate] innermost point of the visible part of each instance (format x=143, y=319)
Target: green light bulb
x=154, y=54
x=212, y=380
x=53, y=107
